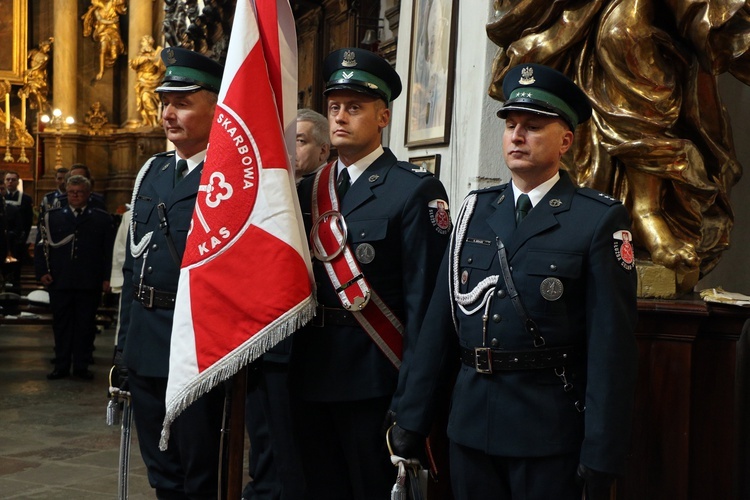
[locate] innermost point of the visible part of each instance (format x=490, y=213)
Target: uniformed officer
x=536, y=301
x=73, y=259
x=52, y=199
x=378, y=228
x=163, y=201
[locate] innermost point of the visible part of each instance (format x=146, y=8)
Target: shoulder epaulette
x=497, y=188
x=598, y=195
x=414, y=169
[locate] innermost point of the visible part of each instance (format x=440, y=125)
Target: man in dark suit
x=163, y=200
x=345, y=364
x=17, y=242
x=73, y=260
x=536, y=301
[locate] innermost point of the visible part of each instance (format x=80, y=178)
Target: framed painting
x=13, y=25
x=429, y=163
x=431, y=72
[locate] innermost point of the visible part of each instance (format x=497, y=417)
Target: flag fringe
x=230, y=364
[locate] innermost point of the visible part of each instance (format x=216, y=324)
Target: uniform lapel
x=373, y=176
x=544, y=215
x=502, y=220
x=187, y=187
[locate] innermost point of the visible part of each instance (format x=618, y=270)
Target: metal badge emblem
x=349, y=59
x=527, y=76
x=373, y=178
x=500, y=200
x=555, y=202
x=551, y=288
x=365, y=253
x=464, y=277
x=171, y=59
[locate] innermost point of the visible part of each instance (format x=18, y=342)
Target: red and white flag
x=245, y=282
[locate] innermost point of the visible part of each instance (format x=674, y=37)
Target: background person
x=73, y=259
x=313, y=142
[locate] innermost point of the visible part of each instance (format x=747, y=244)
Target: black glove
x=407, y=444
x=598, y=484
x=120, y=373
x=388, y=421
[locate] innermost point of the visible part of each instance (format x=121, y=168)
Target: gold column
x=141, y=21
x=64, y=82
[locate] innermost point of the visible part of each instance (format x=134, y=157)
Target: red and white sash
x=328, y=242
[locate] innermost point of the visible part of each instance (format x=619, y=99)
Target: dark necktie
x=77, y=211
x=180, y=170
x=343, y=183
x=523, y=205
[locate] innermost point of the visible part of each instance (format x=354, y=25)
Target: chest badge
x=551, y=289
x=365, y=253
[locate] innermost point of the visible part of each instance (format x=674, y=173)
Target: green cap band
x=192, y=75
x=544, y=98
x=362, y=78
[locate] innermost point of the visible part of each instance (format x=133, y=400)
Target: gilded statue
x=35, y=79
x=102, y=22
x=149, y=70
x=660, y=138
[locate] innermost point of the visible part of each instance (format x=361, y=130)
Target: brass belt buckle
x=483, y=359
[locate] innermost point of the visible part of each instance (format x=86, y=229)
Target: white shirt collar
x=193, y=161
x=356, y=169
x=536, y=194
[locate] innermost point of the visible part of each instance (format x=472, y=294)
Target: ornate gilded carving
x=203, y=30
x=102, y=23
x=660, y=138
x=35, y=87
x=96, y=119
x=149, y=72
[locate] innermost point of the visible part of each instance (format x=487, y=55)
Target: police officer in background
x=536, y=301
x=345, y=363
x=163, y=201
x=73, y=259
x=52, y=199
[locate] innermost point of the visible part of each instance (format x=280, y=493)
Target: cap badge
x=527, y=76
x=349, y=59
x=171, y=59
x=347, y=76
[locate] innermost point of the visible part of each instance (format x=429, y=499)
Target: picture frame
x=431, y=72
x=430, y=163
x=13, y=28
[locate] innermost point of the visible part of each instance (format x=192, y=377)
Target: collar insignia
x=527, y=76
x=373, y=178
x=554, y=202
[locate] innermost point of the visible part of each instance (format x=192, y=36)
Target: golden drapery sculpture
x=35, y=79
x=660, y=138
x=102, y=22
x=149, y=72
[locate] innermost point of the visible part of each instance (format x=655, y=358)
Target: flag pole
x=233, y=438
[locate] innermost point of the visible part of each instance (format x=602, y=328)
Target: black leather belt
x=489, y=360
x=333, y=316
x=150, y=297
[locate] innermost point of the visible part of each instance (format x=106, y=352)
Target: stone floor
x=54, y=441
